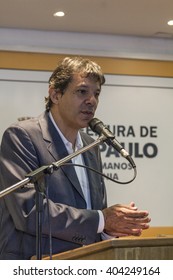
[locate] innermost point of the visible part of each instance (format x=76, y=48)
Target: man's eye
x=82, y=91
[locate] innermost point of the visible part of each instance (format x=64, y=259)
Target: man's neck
x=69, y=133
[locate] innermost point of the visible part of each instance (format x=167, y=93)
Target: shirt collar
x=79, y=143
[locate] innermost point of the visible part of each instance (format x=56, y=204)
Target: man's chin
x=86, y=121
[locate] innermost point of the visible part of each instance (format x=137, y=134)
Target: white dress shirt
x=80, y=171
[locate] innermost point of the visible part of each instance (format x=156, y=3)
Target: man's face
x=78, y=103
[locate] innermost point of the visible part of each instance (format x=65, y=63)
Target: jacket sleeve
x=18, y=158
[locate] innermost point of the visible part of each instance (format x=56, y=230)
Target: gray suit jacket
x=26, y=146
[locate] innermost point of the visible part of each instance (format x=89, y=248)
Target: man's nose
x=92, y=99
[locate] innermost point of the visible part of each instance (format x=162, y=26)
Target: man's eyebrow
x=82, y=87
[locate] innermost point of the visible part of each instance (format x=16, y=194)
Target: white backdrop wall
x=105, y=45
x=138, y=110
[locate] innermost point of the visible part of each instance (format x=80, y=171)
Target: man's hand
x=124, y=220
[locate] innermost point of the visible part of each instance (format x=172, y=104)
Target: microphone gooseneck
x=97, y=126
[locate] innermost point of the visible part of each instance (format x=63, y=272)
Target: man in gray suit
x=75, y=211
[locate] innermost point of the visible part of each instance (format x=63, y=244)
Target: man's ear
x=54, y=94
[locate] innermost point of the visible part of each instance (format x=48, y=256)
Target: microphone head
x=96, y=125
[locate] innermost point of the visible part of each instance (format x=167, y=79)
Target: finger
x=132, y=204
x=129, y=207
x=128, y=232
x=137, y=214
x=137, y=220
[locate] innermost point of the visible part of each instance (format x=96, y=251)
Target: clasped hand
x=123, y=220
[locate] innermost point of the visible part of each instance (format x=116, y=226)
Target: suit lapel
x=57, y=149
x=94, y=180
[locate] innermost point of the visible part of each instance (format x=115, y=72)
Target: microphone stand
x=38, y=178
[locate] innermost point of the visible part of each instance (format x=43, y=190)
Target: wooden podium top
x=148, y=248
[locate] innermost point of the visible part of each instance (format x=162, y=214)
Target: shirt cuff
x=101, y=222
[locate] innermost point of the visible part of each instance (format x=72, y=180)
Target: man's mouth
x=88, y=112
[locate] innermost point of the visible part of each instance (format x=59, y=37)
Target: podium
x=148, y=248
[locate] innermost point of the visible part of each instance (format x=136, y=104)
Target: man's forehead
x=84, y=77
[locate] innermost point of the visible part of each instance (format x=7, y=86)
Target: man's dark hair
x=63, y=74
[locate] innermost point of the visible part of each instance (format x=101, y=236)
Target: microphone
x=97, y=126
